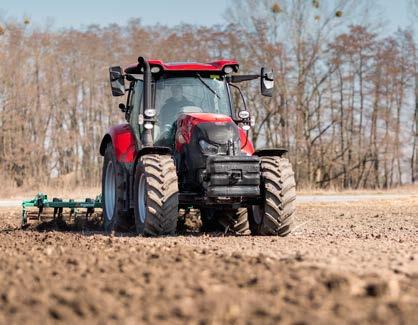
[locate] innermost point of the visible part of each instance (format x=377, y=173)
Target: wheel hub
x=141, y=198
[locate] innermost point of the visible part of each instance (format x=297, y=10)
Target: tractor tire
x=156, y=195
x=236, y=222
x=274, y=216
x=209, y=221
x=114, y=193
x=233, y=221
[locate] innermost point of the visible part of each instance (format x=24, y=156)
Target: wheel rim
x=110, y=190
x=141, y=198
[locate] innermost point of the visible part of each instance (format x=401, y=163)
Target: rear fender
x=270, y=152
x=123, y=141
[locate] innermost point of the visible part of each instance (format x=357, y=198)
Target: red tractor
x=185, y=146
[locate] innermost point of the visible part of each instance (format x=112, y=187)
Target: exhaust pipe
x=147, y=140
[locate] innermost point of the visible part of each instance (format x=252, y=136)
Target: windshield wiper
x=207, y=86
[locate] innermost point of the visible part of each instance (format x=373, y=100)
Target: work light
x=244, y=114
x=208, y=148
x=155, y=69
x=150, y=112
x=228, y=69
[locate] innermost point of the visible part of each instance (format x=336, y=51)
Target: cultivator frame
x=41, y=202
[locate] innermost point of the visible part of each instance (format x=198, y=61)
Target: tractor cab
x=180, y=88
x=182, y=128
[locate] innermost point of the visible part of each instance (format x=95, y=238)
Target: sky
x=81, y=13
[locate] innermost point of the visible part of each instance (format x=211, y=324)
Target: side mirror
x=117, y=81
x=267, y=83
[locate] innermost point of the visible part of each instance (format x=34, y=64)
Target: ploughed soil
x=344, y=263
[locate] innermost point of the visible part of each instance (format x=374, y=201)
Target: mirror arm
x=128, y=77
x=243, y=77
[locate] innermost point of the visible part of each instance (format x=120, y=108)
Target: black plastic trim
x=232, y=176
x=270, y=152
x=154, y=150
x=106, y=139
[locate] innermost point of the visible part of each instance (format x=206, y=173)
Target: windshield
x=177, y=95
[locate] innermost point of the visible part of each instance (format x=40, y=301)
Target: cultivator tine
x=24, y=217
x=40, y=203
x=73, y=211
x=58, y=212
x=89, y=211
x=41, y=209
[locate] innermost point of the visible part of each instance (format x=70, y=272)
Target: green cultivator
x=41, y=202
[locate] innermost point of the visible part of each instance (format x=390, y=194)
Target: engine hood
x=215, y=128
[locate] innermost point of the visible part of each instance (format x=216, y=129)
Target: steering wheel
x=189, y=109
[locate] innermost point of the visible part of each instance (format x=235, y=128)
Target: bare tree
x=340, y=104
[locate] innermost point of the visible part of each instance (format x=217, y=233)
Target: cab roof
x=215, y=66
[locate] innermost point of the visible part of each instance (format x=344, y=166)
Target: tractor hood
x=202, y=137
x=213, y=128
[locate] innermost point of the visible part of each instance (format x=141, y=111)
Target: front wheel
x=156, y=195
x=274, y=215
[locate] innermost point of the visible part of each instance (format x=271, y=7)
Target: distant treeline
x=343, y=103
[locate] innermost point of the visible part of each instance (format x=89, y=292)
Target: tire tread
x=279, y=187
x=162, y=195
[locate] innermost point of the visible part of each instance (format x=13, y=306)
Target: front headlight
x=208, y=148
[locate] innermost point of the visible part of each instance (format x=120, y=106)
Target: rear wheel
x=234, y=221
x=274, y=216
x=209, y=222
x=156, y=195
x=115, y=216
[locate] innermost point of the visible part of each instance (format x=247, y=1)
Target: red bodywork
x=247, y=144
x=186, y=122
x=215, y=66
x=123, y=141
